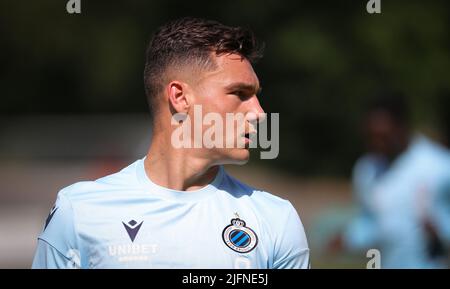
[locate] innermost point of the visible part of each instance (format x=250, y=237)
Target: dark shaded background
x=323, y=60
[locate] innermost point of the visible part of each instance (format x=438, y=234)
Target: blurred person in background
x=400, y=186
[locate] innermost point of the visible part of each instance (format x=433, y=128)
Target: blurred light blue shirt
x=125, y=220
x=395, y=201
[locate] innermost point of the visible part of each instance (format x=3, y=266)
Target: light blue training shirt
x=124, y=220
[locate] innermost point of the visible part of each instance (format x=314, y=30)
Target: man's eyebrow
x=243, y=86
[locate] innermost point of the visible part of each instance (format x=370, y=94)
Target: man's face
x=231, y=88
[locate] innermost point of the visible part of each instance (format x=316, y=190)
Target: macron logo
x=132, y=228
x=50, y=216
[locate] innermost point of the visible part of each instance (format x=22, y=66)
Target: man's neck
x=177, y=169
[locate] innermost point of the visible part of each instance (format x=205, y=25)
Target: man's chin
x=239, y=157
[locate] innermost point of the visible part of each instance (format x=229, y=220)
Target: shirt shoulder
x=124, y=180
x=61, y=229
x=262, y=198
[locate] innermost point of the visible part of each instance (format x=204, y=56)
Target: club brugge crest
x=238, y=237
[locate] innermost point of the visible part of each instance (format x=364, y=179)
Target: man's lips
x=247, y=138
x=249, y=135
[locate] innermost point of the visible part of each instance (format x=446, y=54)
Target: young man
x=177, y=207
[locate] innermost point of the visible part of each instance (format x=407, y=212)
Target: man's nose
x=255, y=111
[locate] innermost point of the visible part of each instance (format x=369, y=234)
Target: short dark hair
x=190, y=41
x=393, y=103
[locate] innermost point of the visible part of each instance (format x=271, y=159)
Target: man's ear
x=177, y=94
